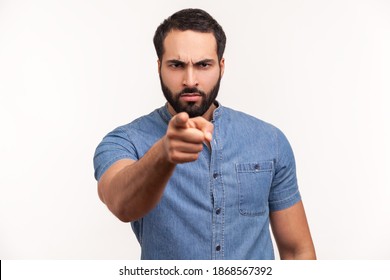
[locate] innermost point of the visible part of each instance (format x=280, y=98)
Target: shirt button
x=218, y=248
x=215, y=175
x=257, y=166
x=218, y=211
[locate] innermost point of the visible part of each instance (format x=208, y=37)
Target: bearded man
x=198, y=180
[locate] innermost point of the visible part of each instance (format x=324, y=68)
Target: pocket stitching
x=254, y=167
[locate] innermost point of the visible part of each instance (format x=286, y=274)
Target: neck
x=209, y=113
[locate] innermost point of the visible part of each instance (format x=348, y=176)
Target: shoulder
x=129, y=141
x=151, y=123
x=254, y=132
x=241, y=121
x=153, y=118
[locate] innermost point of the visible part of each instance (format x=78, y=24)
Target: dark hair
x=190, y=19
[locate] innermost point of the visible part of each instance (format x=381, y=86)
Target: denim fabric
x=218, y=206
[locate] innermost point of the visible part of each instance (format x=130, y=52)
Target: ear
x=159, y=66
x=222, y=66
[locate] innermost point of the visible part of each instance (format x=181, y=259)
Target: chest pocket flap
x=254, y=183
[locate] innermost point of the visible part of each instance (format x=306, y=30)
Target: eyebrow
x=207, y=60
x=176, y=61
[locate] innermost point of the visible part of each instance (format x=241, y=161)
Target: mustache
x=191, y=90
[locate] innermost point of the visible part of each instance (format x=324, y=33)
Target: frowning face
x=190, y=72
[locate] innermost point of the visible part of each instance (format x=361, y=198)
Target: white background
x=71, y=71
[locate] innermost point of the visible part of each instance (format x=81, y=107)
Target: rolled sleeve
x=284, y=189
x=115, y=146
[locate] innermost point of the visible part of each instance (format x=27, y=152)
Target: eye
x=204, y=65
x=176, y=65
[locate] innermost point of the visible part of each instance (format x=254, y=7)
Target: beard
x=191, y=108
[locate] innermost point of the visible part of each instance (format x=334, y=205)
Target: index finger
x=205, y=126
x=180, y=120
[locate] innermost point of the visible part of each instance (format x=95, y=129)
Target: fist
x=185, y=137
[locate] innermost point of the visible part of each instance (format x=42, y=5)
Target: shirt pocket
x=254, y=183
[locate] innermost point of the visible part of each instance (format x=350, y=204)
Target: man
x=195, y=179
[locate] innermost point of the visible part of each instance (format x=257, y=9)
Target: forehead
x=189, y=45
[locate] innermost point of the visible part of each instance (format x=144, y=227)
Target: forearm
x=137, y=188
x=307, y=253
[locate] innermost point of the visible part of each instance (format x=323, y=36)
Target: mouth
x=190, y=97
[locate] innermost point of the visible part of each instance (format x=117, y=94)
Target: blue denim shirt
x=218, y=206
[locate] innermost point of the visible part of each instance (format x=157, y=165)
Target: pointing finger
x=181, y=120
x=205, y=126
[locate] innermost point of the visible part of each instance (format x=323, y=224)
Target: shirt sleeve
x=115, y=146
x=284, y=189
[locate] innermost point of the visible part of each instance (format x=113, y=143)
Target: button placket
x=218, y=195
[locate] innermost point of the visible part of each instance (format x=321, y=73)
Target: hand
x=184, y=138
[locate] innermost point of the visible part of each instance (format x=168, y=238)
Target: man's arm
x=131, y=189
x=292, y=234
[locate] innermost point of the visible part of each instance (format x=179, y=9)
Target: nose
x=190, y=79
